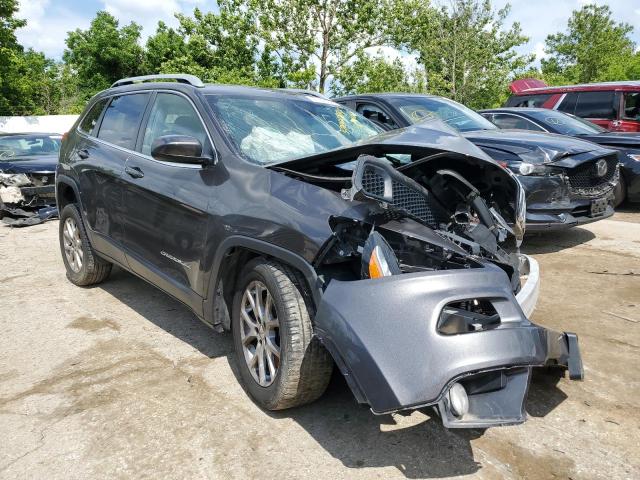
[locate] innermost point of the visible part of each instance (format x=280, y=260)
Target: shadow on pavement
x=413, y=442
x=551, y=242
x=544, y=394
x=167, y=313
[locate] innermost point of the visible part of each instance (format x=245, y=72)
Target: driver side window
x=376, y=114
x=172, y=115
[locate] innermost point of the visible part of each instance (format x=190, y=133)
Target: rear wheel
x=83, y=265
x=280, y=363
x=619, y=193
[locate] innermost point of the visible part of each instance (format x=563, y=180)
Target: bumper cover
x=553, y=205
x=383, y=335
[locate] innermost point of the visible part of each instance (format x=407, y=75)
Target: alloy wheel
x=260, y=333
x=73, y=244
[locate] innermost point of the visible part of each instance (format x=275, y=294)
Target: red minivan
x=612, y=105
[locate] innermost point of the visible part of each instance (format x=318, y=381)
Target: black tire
x=93, y=269
x=305, y=366
x=619, y=193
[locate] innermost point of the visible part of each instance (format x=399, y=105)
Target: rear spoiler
x=523, y=84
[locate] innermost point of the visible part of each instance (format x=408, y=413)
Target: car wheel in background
x=83, y=265
x=281, y=363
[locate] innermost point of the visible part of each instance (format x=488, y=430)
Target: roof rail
x=178, y=77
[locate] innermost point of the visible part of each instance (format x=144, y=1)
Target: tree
x=466, y=52
x=329, y=33
x=218, y=46
x=103, y=53
x=10, y=54
x=165, y=45
x=28, y=80
x=375, y=75
x=594, y=48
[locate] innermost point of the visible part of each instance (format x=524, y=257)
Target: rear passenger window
x=172, y=115
x=88, y=123
x=595, y=105
x=122, y=120
x=503, y=120
x=528, y=100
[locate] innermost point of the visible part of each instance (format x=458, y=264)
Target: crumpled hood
x=432, y=134
x=41, y=163
x=522, y=141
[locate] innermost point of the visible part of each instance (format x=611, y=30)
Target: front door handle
x=134, y=172
x=83, y=154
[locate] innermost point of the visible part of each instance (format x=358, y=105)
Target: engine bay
x=424, y=215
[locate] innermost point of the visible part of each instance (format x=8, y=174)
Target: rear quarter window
x=90, y=120
x=528, y=100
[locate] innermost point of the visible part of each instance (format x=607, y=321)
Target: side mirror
x=179, y=149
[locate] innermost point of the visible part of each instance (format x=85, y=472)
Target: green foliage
x=327, y=32
x=466, y=52
x=103, y=53
x=376, y=75
x=594, y=48
x=218, y=47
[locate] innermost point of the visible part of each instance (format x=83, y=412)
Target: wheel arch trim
x=262, y=248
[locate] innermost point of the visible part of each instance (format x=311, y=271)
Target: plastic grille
x=372, y=182
x=585, y=177
x=412, y=201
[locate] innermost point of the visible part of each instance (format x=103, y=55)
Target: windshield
x=273, y=129
x=416, y=109
x=565, y=124
x=28, y=145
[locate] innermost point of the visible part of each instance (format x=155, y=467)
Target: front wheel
x=83, y=265
x=281, y=363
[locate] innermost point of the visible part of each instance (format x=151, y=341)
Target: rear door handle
x=134, y=172
x=83, y=154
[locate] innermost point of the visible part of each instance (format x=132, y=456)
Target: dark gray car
x=568, y=181
x=317, y=240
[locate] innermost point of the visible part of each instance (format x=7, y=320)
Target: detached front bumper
x=23, y=203
x=384, y=337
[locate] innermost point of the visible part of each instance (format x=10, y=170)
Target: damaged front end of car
x=426, y=298
x=27, y=198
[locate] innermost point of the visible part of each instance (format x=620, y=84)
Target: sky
x=48, y=21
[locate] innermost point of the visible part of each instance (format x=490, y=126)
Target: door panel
x=166, y=204
x=166, y=219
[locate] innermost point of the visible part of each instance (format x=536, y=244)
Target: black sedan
x=27, y=171
x=568, y=181
x=552, y=121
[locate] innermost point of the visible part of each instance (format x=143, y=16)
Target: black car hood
x=523, y=141
x=614, y=139
x=31, y=164
x=433, y=135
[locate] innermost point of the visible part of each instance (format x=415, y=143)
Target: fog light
x=458, y=400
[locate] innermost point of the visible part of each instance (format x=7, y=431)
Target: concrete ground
x=120, y=381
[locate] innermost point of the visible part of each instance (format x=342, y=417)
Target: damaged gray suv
x=317, y=240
